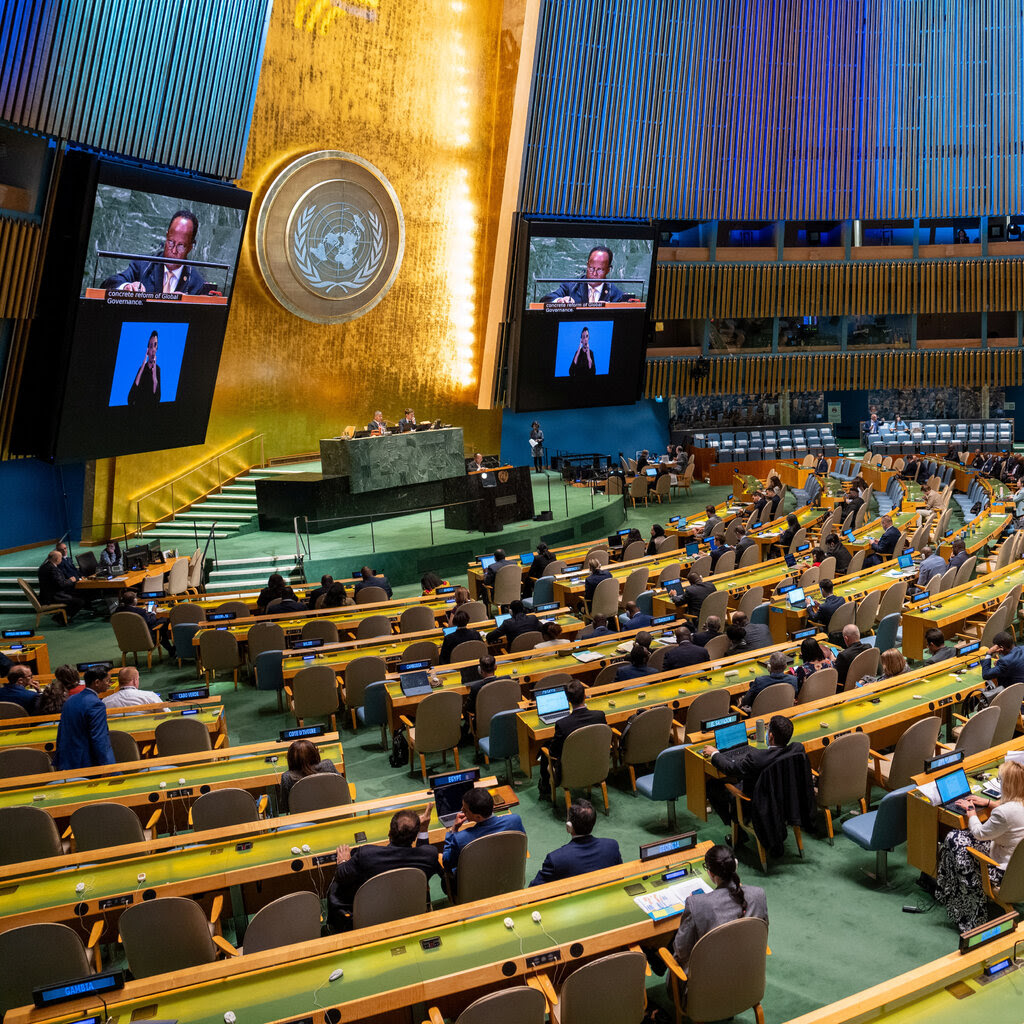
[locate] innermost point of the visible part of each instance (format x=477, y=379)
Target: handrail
x=221, y=479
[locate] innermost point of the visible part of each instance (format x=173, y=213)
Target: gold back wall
x=422, y=91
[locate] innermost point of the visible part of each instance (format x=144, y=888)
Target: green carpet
x=832, y=933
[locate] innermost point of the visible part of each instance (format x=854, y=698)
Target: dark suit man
x=757, y=634
x=477, y=810
x=584, y=852
x=750, y=766
x=685, y=653
x=694, y=595
x=409, y=847
x=518, y=624
x=146, y=276
x=885, y=545
x=579, y=716
x=854, y=646
x=821, y=466
x=485, y=669
x=592, y=287
x=83, y=736
x=823, y=610
x=598, y=573
x=712, y=628
x=935, y=646
x=959, y=555
x=717, y=554
x=369, y=580
x=12, y=691
x=598, y=627
x=407, y=422
x=377, y=424
x=834, y=547
x=742, y=543
x=776, y=674
x=500, y=561
x=460, y=620
x=54, y=587
x=314, y=595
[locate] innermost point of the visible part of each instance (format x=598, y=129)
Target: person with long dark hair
x=729, y=901
x=303, y=759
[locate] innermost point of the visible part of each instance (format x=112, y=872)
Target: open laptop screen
x=450, y=788
x=552, y=701
x=953, y=785
x=729, y=736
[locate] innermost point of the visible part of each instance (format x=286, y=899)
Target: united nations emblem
x=330, y=237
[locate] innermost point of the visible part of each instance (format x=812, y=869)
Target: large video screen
x=581, y=326
x=146, y=262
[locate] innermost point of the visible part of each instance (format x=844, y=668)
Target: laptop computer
x=414, y=684
x=651, y=471
x=486, y=561
x=449, y=790
x=797, y=598
x=674, y=587
x=552, y=704
x=732, y=744
x=500, y=619
x=952, y=786
x=905, y=561
x=614, y=540
x=692, y=549
x=526, y=558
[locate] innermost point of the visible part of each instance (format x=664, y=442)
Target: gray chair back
x=508, y=584
x=416, y=619
x=124, y=746
x=98, y=826
x=324, y=629
x=8, y=709
x=370, y=627
x=519, y=1005
x=422, y=650
x=889, y=828
x=240, y=608
x=469, y=650
x=286, y=921
x=390, y=896
x=1008, y=702
x=359, y=674
x=526, y=641
x=181, y=736
x=498, y=695
x=714, y=994
x=27, y=833
x=635, y=585
x=713, y=604
x=916, y=744
x=586, y=756
x=843, y=770
x=131, y=632
x=36, y=956
x=777, y=697
x=634, y=549
x=606, y=598
x=867, y=611
x=476, y=610
x=609, y=990
x=704, y=707
x=318, y=792
x=977, y=733
x=186, y=611
x=165, y=935
x=647, y=736
x=490, y=866
x=218, y=650
x=264, y=636
x=1011, y=888
x=865, y=664
x=717, y=646
x=438, y=722
x=371, y=595
x=221, y=808
x=818, y=684
x=17, y=762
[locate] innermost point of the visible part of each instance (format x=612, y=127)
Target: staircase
x=252, y=573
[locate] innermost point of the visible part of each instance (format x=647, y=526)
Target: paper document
x=670, y=900
x=586, y=656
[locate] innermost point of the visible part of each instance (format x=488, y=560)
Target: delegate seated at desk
x=584, y=852
x=377, y=426
x=159, y=277
x=579, y=716
x=407, y=422
x=478, y=811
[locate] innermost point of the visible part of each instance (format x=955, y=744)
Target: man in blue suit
x=584, y=852
x=83, y=738
x=160, y=277
x=592, y=287
x=477, y=810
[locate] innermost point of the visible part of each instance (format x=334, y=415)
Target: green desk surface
x=965, y=602
x=142, y=724
x=389, y=650
x=873, y=530
x=983, y=530
x=121, y=788
x=805, y=516
x=945, y=991
x=205, y=867
x=698, y=520
x=295, y=987
x=685, y=685
x=880, y=577
x=346, y=619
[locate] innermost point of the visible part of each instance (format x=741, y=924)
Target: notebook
x=552, y=704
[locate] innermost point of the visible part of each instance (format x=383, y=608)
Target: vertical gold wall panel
x=390, y=91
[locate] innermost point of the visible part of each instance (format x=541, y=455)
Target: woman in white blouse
x=958, y=882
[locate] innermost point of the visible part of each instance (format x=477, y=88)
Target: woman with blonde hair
x=893, y=663
x=958, y=880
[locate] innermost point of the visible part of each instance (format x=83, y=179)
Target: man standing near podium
x=592, y=287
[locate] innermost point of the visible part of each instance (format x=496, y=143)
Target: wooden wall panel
x=699, y=290
x=777, y=109
x=19, y=250
x=172, y=83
